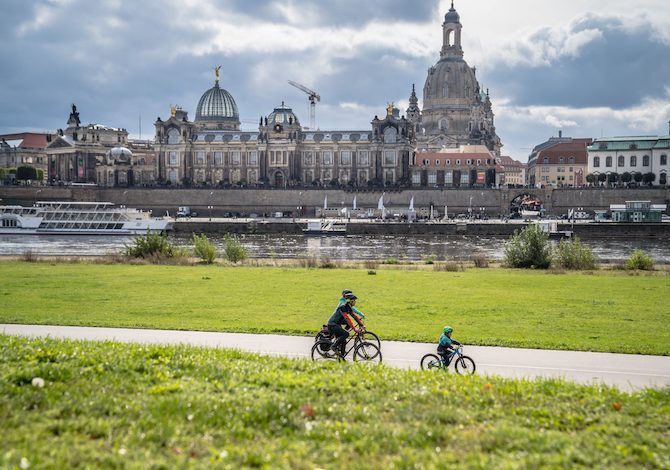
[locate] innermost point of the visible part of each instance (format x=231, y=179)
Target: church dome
x=450, y=81
x=452, y=15
x=216, y=104
x=282, y=115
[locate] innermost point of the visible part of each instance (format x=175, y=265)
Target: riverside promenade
x=627, y=372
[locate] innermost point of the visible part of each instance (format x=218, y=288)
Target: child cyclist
x=343, y=315
x=356, y=312
x=447, y=344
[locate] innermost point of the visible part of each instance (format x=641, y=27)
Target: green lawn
x=600, y=311
x=110, y=405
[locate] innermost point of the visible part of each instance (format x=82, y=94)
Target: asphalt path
x=628, y=372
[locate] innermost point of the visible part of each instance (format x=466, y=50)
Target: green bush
x=203, y=248
x=640, y=260
x=26, y=173
x=571, y=254
x=528, y=248
x=234, y=250
x=152, y=245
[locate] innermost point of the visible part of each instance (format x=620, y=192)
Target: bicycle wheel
x=465, y=365
x=431, y=362
x=321, y=351
x=367, y=352
x=370, y=337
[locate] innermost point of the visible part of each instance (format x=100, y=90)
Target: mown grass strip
x=108, y=405
x=599, y=311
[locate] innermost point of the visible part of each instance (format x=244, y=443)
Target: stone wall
x=494, y=202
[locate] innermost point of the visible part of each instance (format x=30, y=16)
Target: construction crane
x=313, y=97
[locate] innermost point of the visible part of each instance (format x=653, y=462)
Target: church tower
x=455, y=110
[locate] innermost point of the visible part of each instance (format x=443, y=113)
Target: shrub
x=390, y=261
x=640, y=260
x=234, y=250
x=528, y=248
x=203, y=248
x=371, y=264
x=152, y=245
x=481, y=261
x=449, y=266
x=573, y=255
x=430, y=260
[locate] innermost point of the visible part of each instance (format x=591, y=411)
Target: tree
x=637, y=176
x=649, y=178
x=591, y=178
x=612, y=178
x=26, y=173
x=528, y=248
x=626, y=177
x=602, y=177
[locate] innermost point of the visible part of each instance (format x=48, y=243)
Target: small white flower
x=38, y=382
x=437, y=449
x=24, y=461
x=223, y=454
x=190, y=417
x=309, y=426
x=122, y=451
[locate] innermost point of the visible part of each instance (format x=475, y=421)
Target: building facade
x=558, y=162
x=629, y=159
x=466, y=166
x=513, y=172
x=24, y=149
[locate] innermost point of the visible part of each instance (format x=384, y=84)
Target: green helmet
x=447, y=330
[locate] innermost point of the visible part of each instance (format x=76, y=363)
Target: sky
x=590, y=68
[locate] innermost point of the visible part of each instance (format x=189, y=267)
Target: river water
x=364, y=247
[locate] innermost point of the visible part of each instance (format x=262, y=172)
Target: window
x=235, y=158
x=390, y=135
x=664, y=159
x=172, y=176
x=252, y=176
x=608, y=161
x=218, y=158
x=308, y=158
x=328, y=158
x=633, y=160
x=174, y=159
x=437, y=163
x=363, y=176
x=363, y=158
x=416, y=177
x=449, y=177
x=344, y=176
x=546, y=160
x=252, y=158
x=561, y=160
x=432, y=177
x=479, y=162
x=389, y=176
x=621, y=161
x=458, y=162
x=200, y=158
x=345, y=157
x=596, y=162
x=571, y=160
x=309, y=176
x=443, y=125
x=448, y=162
x=645, y=160
x=173, y=136
x=468, y=162
x=389, y=157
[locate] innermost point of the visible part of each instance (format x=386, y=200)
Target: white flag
x=380, y=204
x=325, y=202
x=355, y=203
x=411, y=204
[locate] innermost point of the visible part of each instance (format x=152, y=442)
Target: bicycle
x=368, y=336
x=464, y=365
x=364, y=351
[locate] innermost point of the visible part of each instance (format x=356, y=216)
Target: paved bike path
x=625, y=371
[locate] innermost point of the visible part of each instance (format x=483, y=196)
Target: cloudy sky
x=589, y=67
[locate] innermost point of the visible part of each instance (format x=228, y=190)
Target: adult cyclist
x=343, y=315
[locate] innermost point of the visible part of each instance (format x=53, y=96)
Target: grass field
x=600, y=311
x=110, y=405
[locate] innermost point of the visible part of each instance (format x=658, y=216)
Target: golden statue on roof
x=173, y=110
x=389, y=109
x=217, y=72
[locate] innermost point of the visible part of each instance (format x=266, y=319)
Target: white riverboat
x=325, y=227
x=79, y=218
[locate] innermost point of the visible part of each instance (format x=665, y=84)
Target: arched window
x=173, y=136
x=608, y=161
x=445, y=91
x=633, y=160
x=571, y=160
x=596, y=162
x=621, y=161
x=546, y=160
x=645, y=160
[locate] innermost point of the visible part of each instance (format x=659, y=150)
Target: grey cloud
x=618, y=69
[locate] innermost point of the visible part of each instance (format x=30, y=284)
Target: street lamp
x=211, y=193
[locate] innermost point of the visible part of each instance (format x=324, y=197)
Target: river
x=364, y=247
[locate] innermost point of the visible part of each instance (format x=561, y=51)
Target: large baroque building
x=456, y=111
